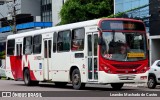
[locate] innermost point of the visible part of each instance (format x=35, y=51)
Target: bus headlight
x=107, y=69
x=143, y=77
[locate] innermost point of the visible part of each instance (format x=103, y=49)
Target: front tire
x=151, y=82
x=76, y=80
x=117, y=86
x=27, y=79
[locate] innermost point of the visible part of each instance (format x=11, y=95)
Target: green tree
x=2, y=55
x=81, y=10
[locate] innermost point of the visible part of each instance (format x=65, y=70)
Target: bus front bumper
x=123, y=78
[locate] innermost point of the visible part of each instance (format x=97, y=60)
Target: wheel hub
x=151, y=82
x=26, y=78
x=76, y=79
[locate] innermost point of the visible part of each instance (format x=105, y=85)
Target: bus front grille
x=120, y=66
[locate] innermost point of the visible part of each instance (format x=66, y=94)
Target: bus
x=101, y=51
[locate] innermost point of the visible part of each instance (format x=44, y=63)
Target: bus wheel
x=60, y=84
x=117, y=86
x=151, y=82
x=0, y=77
x=27, y=79
x=76, y=80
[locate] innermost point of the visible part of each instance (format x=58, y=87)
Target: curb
x=136, y=85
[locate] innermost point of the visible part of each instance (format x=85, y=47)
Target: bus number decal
x=37, y=58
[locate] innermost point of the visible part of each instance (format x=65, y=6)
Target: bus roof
x=56, y=28
x=65, y=27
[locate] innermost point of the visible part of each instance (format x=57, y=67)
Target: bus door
x=92, y=46
x=18, y=62
x=47, y=58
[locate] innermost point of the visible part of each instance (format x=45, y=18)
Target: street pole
x=14, y=18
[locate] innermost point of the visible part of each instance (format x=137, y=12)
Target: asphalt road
x=92, y=90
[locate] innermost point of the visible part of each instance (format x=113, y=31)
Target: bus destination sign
x=129, y=26
x=122, y=25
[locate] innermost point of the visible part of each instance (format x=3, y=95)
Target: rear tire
x=27, y=79
x=76, y=80
x=151, y=82
x=0, y=77
x=117, y=86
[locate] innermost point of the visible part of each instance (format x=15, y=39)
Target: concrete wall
x=56, y=7
x=4, y=9
x=23, y=6
x=154, y=50
x=31, y=7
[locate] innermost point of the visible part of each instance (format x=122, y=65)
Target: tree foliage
x=81, y=10
x=2, y=55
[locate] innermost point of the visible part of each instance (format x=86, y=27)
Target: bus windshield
x=123, y=46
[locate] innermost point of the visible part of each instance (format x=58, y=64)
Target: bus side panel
x=16, y=65
x=8, y=68
x=60, y=66
x=32, y=63
x=37, y=66
x=81, y=64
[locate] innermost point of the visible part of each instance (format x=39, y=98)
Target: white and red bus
x=102, y=51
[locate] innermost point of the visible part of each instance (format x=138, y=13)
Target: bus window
x=95, y=44
x=55, y=42
x=78, y=39
x=10, y=47
x=37, y=41
x=89, y=45
x=27, y=45
x=63, y=43
x=49, y=48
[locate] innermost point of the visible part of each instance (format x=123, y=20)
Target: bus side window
x=63, y=42
x=59, y=42
x=78, y=39
x=37, y=41
x=54, y=42
x=10, y=47
x=27, y=45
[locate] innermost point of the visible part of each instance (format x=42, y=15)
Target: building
x=138, y=9
x=56, y=7
x=154, y=30
x=50, y=10
x=149, y=12
x=46, y=10
x=39, y=10
x=30, y=15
